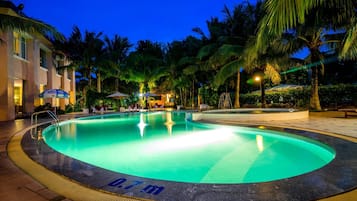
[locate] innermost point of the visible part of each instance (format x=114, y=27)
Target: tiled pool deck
x=16, y=185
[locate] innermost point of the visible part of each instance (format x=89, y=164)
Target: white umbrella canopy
x=117, y=95
x=54, y=93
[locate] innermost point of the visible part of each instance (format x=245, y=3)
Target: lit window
x=18, y=87
x=19, y=46
x=43, y=60
x=42, y=88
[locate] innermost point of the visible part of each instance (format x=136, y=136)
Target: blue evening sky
x=156, y=20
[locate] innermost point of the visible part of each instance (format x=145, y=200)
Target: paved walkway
x=332, y=122
x=15, y=185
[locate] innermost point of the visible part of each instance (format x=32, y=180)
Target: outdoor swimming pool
x=164, y=146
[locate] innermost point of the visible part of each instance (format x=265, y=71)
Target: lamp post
x=262, y=91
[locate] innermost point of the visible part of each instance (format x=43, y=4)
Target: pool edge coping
x=54, y=181
x=342, y=196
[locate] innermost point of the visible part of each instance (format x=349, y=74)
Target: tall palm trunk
x=193, y=94
x=99, y=83
x=236, y=101
x=314, y=98
x=84, y=92
x=86, y=88
x=262, y=86
x=181, y=96
x=116, y=84
x=185, y=97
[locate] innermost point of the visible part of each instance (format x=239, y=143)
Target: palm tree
x=202, y=62
x=266, y=65
x=309, y=20
x=86, y=53
x=16, y=20
x=116, y=53
x=228, y=59
x=313, y=38
x=179, y=57
x=283, y=15
x=145, y=66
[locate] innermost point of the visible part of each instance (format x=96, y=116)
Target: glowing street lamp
x=257, y=78
x=260, y=79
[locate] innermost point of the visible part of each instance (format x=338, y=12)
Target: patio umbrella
x=54, y=93
x=117, y=95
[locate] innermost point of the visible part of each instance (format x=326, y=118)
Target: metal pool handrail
x=49, y=112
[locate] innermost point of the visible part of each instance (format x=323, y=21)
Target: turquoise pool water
x=163, y=145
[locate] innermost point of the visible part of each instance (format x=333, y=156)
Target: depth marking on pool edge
x=149, y=189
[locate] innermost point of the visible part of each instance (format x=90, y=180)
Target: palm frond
x=226, y=53
x=227, y=71
x=184, y=61
x=24, y=24
x=272, y=73
x=207, y=51
x=190, y=70
x=349, y=49
x=135, y=76
x=282, y=15
x=287, y=44
x=158, y=73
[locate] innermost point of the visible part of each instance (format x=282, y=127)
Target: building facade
x=28, y=66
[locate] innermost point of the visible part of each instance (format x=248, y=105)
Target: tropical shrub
x=331, y=96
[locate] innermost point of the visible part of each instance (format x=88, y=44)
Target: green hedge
x=330, y=96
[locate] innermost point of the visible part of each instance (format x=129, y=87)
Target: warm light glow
x=18, y=88
x=57, y=102
x=257, y=78
x=185, y=142
x=260, y=143
x=42, y=88
x=169, y=123
x=58, y=133
x=261, y=127
x=168, y=97
x=142, y=124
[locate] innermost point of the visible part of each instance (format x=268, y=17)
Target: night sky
x=156, y=20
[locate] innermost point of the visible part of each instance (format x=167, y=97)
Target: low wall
x=251, y=114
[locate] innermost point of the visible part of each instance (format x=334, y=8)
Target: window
x=59, y=71
x=18, y=95
x=42, y=89
x=19, y=46
x=69, y=74
x=58, y=62
x=43, y=59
